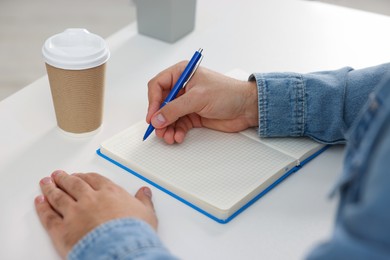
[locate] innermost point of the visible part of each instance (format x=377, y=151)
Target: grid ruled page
x=300, y=147
x=217, y=172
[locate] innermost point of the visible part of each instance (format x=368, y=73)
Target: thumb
x=175, y=109
x=144, y=194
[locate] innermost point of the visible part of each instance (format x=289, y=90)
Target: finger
x=160, y=85
x=59, y=200
x=49, y=218
x=74, y=186
x=180, y=128
x=153, y=107
x=52, y=222
x=169, y=135
x=144, y=194
x=183, y=125
x=179, y=107
x=160, y=132
x=96, y=181
x=179, y=136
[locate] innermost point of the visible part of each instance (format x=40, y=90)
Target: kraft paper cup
x=75, y=63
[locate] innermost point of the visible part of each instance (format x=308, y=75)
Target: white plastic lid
x=75, y=49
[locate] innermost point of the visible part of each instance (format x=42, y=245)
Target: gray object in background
x=167, y=20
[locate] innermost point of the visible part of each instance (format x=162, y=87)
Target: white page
x=299, y=148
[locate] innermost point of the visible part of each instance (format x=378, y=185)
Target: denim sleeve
x=320, y=105
x=120, y=239
x=362, y=229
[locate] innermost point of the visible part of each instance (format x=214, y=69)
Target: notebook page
x=218, y=172
x=299, y=148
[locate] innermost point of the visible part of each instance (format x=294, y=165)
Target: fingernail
x=158, y=120
x=56, y=172
x=40, y=199
x=46, y=180
x=147, y=192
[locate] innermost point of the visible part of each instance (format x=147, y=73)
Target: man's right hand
x=209, y=100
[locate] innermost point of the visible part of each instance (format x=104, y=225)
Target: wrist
x=251, y=107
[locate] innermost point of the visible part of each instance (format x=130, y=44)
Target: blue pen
x=181, y=82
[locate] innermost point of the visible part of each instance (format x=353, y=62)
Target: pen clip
x=197, y=65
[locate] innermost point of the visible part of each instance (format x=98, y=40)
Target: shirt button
x=374, y=104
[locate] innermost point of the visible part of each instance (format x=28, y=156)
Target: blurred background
x=25, y=24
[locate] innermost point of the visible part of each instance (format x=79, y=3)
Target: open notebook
x=218, y=174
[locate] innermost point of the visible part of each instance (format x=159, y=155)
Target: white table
x=272, y=35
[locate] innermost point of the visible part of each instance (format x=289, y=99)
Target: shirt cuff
x=281, y=104
x=120, y=239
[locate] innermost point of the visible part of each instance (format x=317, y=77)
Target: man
x=89, y=217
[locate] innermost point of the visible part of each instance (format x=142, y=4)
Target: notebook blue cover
x=222, y=221
x=218, y=174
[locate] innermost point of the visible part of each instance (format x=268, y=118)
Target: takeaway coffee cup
x=75, y=63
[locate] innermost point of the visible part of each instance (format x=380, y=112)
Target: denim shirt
x=125, y=238
x=351, y=106
x=331, y=107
